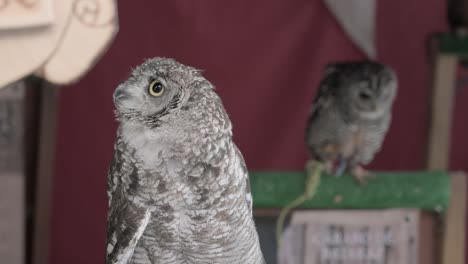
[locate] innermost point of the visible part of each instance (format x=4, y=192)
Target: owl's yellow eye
x=156, y=88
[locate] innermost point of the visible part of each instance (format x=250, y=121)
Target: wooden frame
x=442, y=234
x=454, y=241
x=441, y=111
x=446, y=56
x=429, y=234
x=45, y=172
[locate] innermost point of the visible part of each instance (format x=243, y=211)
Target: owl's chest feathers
x=194, y=188
x=361, y=134
x=180, y=171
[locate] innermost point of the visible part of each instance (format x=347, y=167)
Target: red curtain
x=266, y=58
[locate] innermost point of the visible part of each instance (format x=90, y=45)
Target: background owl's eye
x=156, y=88
x=364, y=96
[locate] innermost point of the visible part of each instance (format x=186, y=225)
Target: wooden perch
x=424, y=190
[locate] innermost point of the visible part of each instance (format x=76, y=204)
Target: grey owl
x=178, y=187
x=350, y=115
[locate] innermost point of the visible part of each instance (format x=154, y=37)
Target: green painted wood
x=424, y=190
x=452, y=44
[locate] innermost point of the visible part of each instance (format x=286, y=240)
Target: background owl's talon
x=342, y=164
x=329, y=168
x=361, y=175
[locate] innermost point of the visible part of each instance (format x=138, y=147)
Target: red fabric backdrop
x=266, y=58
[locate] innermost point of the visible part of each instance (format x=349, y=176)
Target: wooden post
x=45, y=172
x=448, y=51
x=429, y=238
x=441, y=111
x=454, y=241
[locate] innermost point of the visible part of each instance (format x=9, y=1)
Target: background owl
x=178, y=186
x=350, y=115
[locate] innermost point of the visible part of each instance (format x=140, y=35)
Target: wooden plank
x=452, y=44
x=355, y=236
x=441, y=111
x=399, y=189
x=430, y=244
x=454, y=241
x=45, y=171
x=261, y=212
x=12, y=178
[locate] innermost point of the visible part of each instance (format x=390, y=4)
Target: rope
x=314, y=170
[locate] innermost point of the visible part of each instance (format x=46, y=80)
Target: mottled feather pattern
x=351, y=112
x=178, y=164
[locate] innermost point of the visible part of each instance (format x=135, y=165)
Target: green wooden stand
x=439, y=192
x=451, y=44
x=424, y=190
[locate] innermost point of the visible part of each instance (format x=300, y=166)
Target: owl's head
x=365, y=88
x=156, y=88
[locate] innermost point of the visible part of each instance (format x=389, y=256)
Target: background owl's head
x=154, y=89
x=365, y=88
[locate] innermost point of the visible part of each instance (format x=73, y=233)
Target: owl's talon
x=361, y=174
x=342, y=164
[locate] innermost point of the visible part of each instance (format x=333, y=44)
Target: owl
x=350, y=116
x=178, y=187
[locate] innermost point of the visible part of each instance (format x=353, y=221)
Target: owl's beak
x=120, y=94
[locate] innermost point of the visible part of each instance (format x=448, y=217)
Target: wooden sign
x=351, y=237
x=12, y=179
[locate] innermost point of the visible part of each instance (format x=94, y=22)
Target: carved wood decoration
x=56, y=51
x=18, y=14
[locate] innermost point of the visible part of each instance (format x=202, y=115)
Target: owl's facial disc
x=364, y=97
x=145, y=98
x=375, y=93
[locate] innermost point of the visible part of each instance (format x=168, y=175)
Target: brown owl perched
x=350, y=116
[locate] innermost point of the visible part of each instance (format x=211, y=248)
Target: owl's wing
x=245, y=175
x=320, y=124
x=322, y=102
x=126, y=221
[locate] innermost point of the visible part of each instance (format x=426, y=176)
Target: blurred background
x=265, y=57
